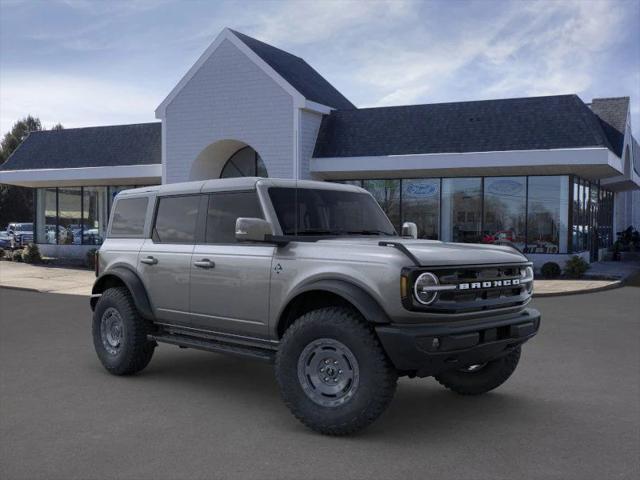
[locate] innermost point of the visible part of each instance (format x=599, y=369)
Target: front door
x=164, y=262
x=230, y=280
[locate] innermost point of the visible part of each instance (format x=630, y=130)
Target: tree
x=16, y=203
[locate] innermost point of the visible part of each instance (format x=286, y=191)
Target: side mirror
x=409, y=230
x=252, y=229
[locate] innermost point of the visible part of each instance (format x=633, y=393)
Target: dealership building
x=555, y=176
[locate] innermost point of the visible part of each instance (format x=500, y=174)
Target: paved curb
x=36, y=290
x=612, y=286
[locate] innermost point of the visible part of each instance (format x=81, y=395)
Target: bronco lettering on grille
x=490, y=284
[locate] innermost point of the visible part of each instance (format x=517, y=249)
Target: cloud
x=296, y=22
x=536, y=48
x=72, y=100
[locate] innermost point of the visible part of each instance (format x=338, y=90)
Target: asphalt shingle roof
x=533, y=123
x=109, y=146
x=298, y=73
x=612, y=113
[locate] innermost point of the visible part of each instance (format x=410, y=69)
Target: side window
x=128, y=217
x=224, y=209
x=176, y=219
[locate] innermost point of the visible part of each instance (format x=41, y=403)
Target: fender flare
x=132, y=282
x=355, y=295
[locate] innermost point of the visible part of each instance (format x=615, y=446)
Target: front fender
x=359, y=298
x=132, y=282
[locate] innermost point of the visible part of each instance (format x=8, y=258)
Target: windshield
x=307, y=211
x=23, y=227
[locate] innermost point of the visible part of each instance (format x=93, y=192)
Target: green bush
x=576, y=266
x=16, y=256
x=31, y=254
x=90, y=258
x=550, y=270
x=1, y=253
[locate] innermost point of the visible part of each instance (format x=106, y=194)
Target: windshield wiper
x=370, y=232
x=317, y=232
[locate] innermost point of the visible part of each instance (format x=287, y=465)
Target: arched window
x=244, y=163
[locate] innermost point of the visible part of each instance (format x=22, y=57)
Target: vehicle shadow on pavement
x=420, y=407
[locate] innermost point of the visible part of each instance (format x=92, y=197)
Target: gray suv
x=310, y=276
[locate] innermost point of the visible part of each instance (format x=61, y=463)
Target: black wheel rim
x=111, y=330
x=328, y=372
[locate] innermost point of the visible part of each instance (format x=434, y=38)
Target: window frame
x=110, y=235
x=199, y=230
x=207, y=196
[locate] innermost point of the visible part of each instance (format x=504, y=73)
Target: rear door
x=164, y=262
x=230, y=280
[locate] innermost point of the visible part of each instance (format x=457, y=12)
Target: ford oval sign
x=505, y=187
x=422, y=189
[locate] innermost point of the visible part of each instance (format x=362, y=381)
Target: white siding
x=229, y=97
x=309, y=126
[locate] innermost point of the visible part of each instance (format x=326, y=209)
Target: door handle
x=149, y=260
x=204, y=263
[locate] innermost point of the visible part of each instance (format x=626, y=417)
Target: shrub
x=31, y=254
x=1, y=253
x=15, y=256
x=90, y=258
x=550, y=270
x=576, y=266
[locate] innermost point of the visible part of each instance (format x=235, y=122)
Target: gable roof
x=612, y=113
x=533, y=123
x=298, y=73
x=110, y=146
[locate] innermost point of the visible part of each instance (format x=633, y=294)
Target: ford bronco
x=312, y=277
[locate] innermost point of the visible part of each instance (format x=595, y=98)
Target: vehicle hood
x=436, y=253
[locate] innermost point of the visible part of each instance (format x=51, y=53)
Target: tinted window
x=176, y=219
x=224, y=209
x=308, y=211
x=128, y=217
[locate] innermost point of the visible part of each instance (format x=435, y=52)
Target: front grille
x=483, y=291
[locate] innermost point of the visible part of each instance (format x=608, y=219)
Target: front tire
x=479, y=379
x=120, y=333
x=333, y=373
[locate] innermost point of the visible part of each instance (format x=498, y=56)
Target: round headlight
x=421, y=288
x=526, y=273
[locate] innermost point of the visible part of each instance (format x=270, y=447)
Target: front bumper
x=426, y=350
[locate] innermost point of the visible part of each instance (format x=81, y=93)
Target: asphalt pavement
x=571, y=410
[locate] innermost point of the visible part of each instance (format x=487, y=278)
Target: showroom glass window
x=421, y=205
x=46, y=217
x=387, y=194
x=70, y=216
x=461, y=209
x=505, y=206
x=547, y=218
x=94, y=215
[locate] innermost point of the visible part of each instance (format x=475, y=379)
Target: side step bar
x=261, y=354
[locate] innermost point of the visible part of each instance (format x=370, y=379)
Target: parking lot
x=572, y=409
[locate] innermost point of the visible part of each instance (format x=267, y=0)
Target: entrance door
x=230, y=281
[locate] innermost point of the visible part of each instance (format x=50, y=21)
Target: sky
x=86, y=63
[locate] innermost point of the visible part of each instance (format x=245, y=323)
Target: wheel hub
x=328, y=372
x=111, y=330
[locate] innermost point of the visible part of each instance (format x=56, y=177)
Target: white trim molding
x=592, y=163
x=84, y=176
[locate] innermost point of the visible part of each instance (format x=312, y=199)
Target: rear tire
x=120, y=333
x=333, y=373
x=480, y=380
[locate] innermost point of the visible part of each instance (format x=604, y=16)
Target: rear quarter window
x=128, y=217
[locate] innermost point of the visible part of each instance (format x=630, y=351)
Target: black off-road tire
x=377, y=378
x=489, y=376
x=134, y=351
